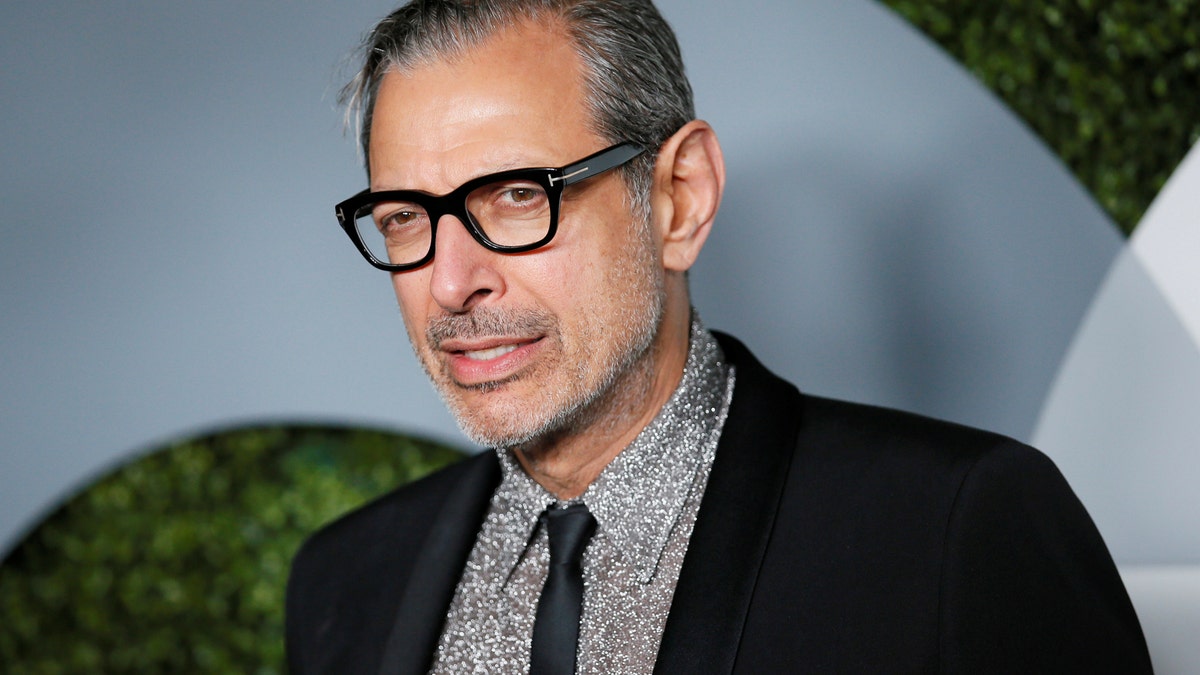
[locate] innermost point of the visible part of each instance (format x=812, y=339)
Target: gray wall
x=170, y=262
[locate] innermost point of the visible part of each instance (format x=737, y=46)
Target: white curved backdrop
x=1122, y=418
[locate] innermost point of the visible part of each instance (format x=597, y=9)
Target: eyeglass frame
x=454, y=203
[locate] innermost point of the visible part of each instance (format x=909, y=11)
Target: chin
x=498, y=424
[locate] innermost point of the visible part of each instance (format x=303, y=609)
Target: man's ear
x=689, y=179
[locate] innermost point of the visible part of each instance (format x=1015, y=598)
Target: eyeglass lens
x=510, y=213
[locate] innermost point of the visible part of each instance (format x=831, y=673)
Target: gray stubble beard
x=629, y=370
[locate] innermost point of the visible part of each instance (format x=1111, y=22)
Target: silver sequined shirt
x=645, y=503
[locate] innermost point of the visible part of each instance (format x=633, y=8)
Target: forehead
x=516, y=99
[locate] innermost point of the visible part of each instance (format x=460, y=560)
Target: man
x=714, y=518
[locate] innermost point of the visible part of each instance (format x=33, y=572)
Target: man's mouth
x=494, y=352
x=489, y=360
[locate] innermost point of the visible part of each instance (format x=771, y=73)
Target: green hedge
x=177, y=562
x=1110, y=86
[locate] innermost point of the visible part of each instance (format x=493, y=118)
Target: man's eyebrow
x=516, y=164
x=499, y=167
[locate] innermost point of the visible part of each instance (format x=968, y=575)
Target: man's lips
x=479, y=361
x=490, y=353
x=482, y=349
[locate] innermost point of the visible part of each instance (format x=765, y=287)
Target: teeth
x=486, y=354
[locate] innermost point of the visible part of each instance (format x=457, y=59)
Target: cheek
x=565, y=280
x=413, y=297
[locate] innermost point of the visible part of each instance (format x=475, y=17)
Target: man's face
x=532, y=346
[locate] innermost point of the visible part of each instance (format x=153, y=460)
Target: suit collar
x=439, y=565
x=734, y=524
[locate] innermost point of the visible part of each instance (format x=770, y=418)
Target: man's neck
x=567, y=463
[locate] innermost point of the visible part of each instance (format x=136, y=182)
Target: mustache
x=490, y=322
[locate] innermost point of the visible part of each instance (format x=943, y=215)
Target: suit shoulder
x=349, y=577
x=854, y=445
x=858, y=431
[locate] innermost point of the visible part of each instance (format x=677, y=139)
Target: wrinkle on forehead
x=515, y=100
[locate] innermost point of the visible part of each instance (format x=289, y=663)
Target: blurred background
x=981, y=211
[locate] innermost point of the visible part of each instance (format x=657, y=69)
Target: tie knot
x=569, y=530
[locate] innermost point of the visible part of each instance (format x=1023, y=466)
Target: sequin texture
x=645, y=503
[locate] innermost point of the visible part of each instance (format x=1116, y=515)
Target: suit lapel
x=734, y=524
x=439, y=565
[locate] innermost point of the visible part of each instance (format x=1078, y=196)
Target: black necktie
x=556, y=627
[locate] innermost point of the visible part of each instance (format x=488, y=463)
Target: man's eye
x=399, y=219
x=524, y=196
x=518, y=194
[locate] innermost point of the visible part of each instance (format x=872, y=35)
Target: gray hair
x=635, y=85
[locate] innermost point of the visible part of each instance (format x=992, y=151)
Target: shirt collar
x=638, y=498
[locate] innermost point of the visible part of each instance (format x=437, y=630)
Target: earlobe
x=688, y=183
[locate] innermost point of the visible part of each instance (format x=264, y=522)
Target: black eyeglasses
x=508, y=212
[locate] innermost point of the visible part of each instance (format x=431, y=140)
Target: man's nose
x=464, y=273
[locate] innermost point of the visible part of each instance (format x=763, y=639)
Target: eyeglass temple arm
x=598, y=163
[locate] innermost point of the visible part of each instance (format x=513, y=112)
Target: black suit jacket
x=832, y=537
